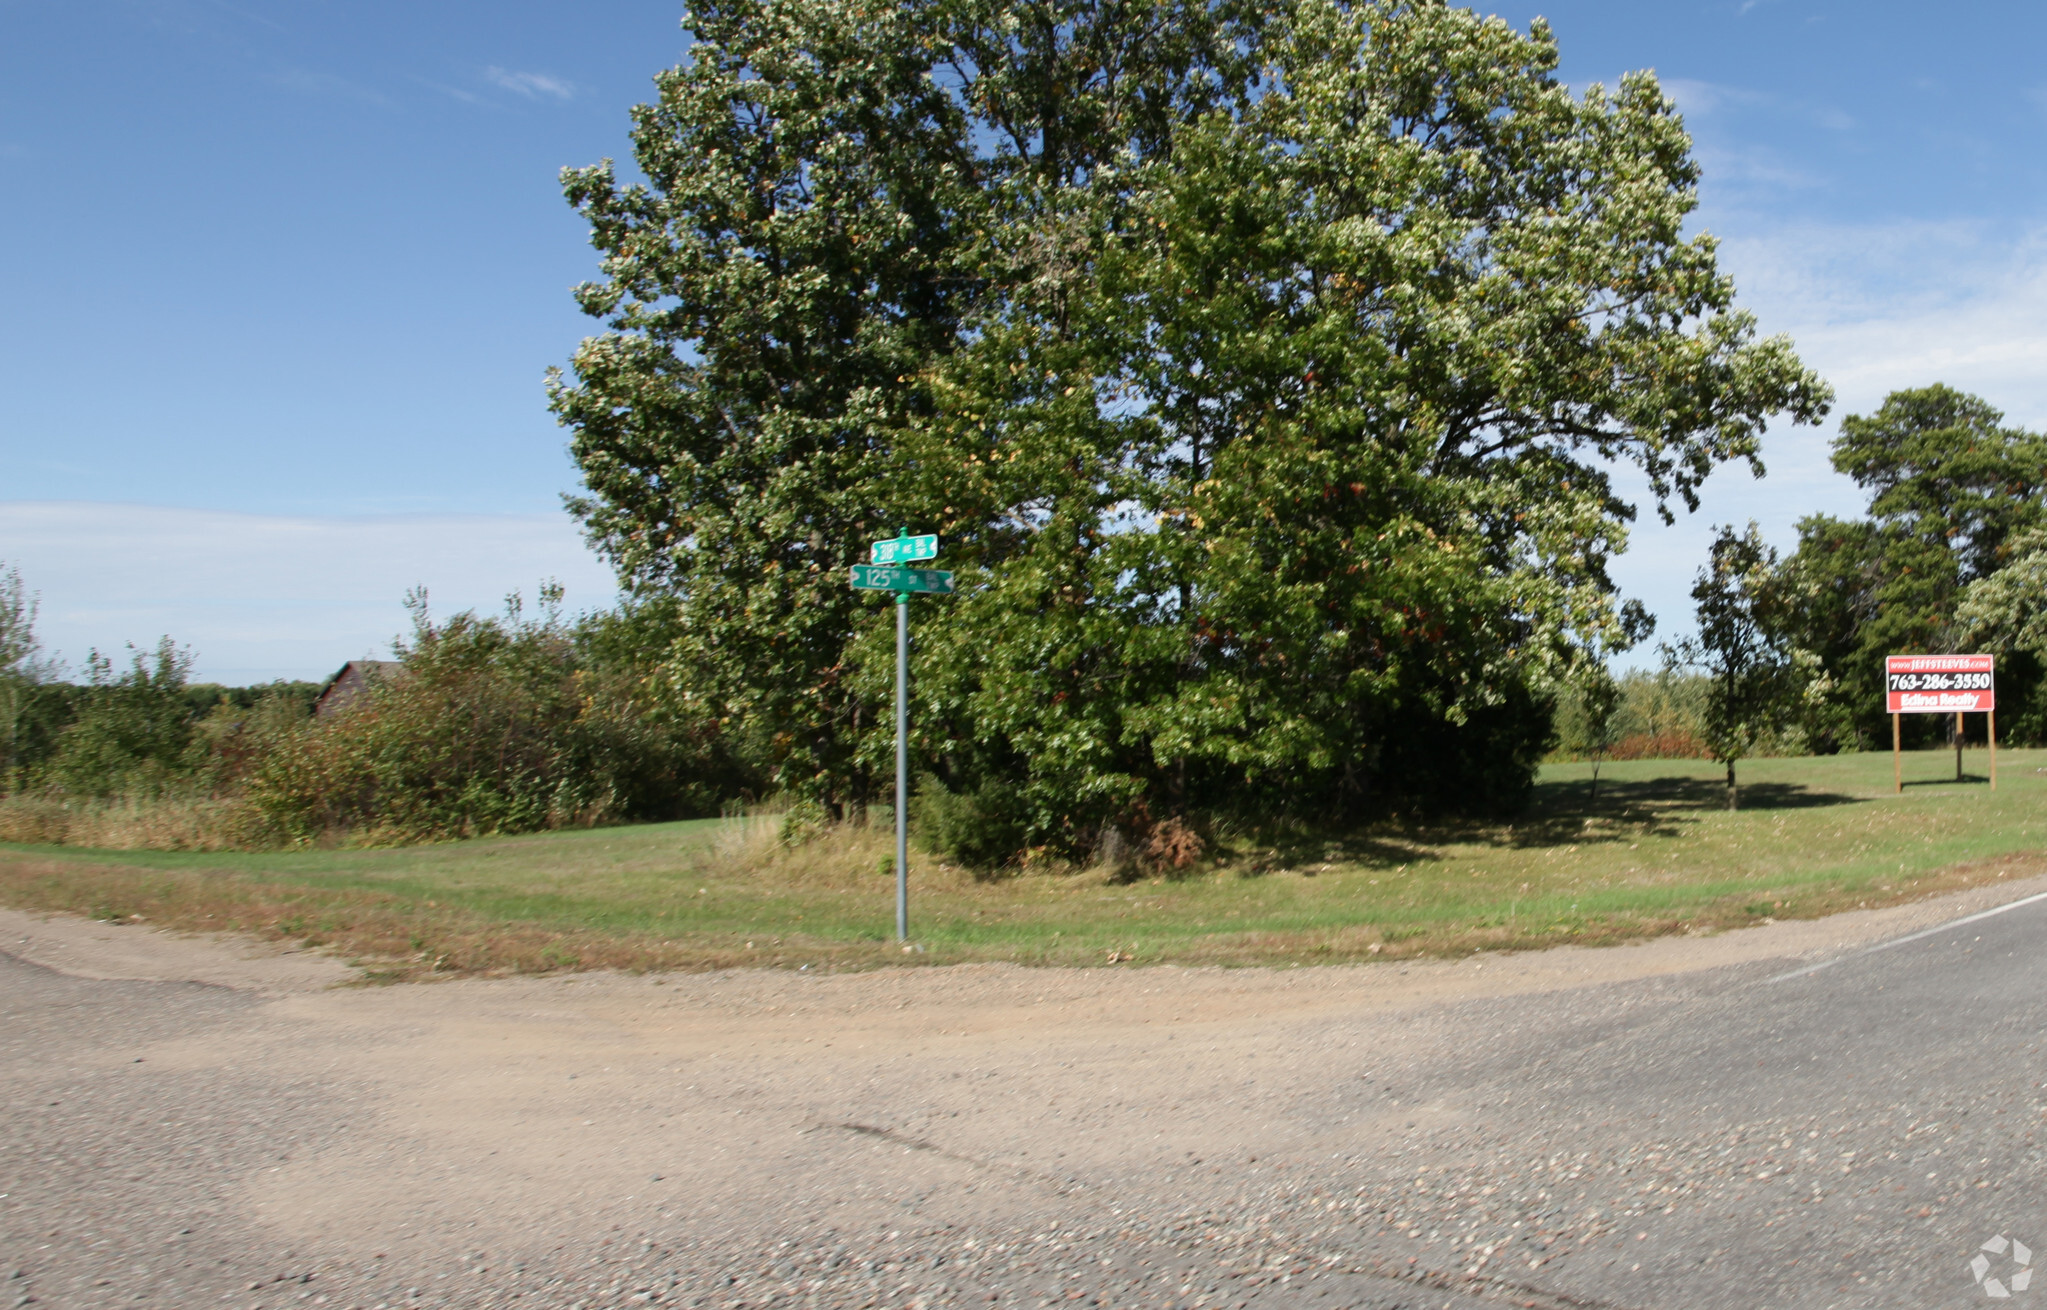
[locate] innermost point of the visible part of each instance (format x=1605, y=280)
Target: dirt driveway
x=196, y=1125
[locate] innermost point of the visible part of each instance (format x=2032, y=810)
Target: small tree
x=1599, y=696
x=20, y=668
x=134, y=728
x=1740, y=648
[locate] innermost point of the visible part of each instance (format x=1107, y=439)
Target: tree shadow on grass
x=1564, y=813
x=1558, y=814
x=1679, y=793
x=1375, y=847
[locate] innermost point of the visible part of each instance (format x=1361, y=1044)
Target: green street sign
x=901, y=550
x=877, y=577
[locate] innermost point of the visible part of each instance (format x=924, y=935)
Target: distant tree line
x=487, y=725
x=1948, y=558
x=1789, y=652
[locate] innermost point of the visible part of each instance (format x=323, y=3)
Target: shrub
x=982, y=829
x=1660, y=715
x=133, y=730
x=1173, y=846
x=492, y=726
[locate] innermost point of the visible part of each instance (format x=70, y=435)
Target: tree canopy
x=1954, y=494
x=1262, y=370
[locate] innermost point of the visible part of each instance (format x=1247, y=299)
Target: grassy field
x=1655, y=854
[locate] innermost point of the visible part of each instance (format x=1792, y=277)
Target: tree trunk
x=1730, y=785
x=1595, y=783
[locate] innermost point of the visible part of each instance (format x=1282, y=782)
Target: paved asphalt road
x=1734, y=1137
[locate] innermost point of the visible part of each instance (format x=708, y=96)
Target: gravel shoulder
x=1384, y=1136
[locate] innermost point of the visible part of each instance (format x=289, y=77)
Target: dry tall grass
x=130, y=823
x=760, y=849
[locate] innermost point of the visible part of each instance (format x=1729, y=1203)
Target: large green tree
x=826, y=192
x=1263, y=372
x=1332, y=513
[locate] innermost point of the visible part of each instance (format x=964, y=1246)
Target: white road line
x=1908, y=937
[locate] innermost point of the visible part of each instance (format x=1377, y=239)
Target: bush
x=982, y=829
x=132, y=732
x=490, y=726
x=1661, y=715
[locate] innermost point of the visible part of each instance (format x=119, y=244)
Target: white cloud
x=1874, y=308
x=531, y=85
x=453, y=92
x=268, y=596
x=1699, y=98
x=330, y=86
x=1701, y=102
x=1750, y=170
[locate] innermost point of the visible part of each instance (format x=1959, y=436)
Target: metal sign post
x=884, y=575
x=1940, y=684
x=902, y=766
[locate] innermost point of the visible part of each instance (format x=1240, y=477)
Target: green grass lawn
x=1656, y=853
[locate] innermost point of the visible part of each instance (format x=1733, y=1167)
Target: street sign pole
x=886, y=573
x=902, y=766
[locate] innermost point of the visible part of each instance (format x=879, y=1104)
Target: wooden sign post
x=1940, y=684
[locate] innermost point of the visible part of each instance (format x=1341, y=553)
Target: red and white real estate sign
x=1939, y=684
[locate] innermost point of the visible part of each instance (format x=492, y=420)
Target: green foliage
x=207, y=698
x=2005, y=613
x=490, y=726
x=138, y=733
x=1944, y=472
x=1953, y=491
x=820, y=229
x=1599, y=700
x=242, y=726
x=1657, y=714
x=45, y=710
x=133, y=730
x=1830, y=586
x=802, y=823
x=1751, y=672
x=24, y=710
x=983, y=829
x=1261, y=373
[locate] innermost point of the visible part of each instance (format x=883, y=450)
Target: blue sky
x=283, y=277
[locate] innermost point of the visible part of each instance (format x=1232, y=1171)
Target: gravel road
x=1688, y=1123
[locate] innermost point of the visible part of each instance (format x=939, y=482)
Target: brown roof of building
x=348, y=683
